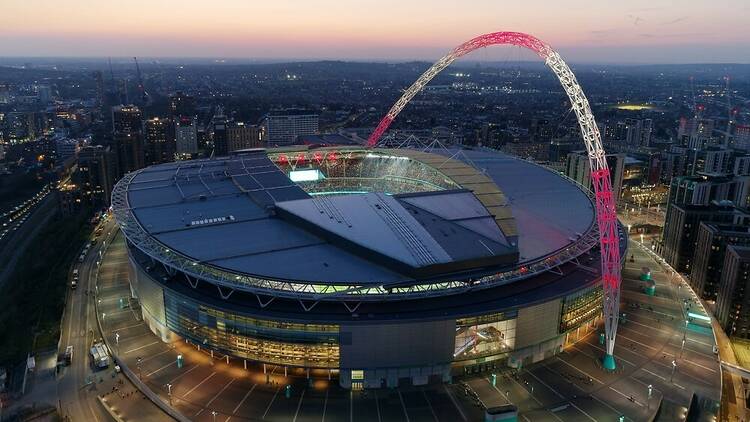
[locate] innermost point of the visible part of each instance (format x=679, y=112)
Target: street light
x=117, y=338
x=213, y=413
x=169, y=393
x=650, y=390
x=138, y=364
x=674, y=367
x=682, y=347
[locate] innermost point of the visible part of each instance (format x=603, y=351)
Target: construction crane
x=728, y=96
x=145, y=98
x=697, y=108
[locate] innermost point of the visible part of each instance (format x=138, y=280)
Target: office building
x=127, y=125
x=219, y=131
x=742, y=137
x=186, y=134
x=283, y=127
x=160, y=141
x=96, y=174
x=181, y=105
x=242, y=136
x=127, y=119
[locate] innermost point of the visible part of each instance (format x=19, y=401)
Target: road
x=80, y=386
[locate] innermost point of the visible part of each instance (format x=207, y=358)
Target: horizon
x=638, y=32
x=148, y=61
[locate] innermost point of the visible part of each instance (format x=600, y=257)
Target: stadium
x=382, y=266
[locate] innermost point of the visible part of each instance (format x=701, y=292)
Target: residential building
x=733, y=302
x=577, y=167
x=679, y=238
x=708, y=258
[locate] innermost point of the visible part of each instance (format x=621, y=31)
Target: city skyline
x=639, y=32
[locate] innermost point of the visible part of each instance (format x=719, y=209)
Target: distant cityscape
x=677, y=139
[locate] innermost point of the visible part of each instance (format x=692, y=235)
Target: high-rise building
x=696, y=132
x=127, y=136
x=242, y=136
x=704, y=189
x=283, y=127
x=127, y=119
x=219, y=130
x=4, y=93
x=44, y=93
x=96, y=173
x=646, y=130
x=713, y=160
x=181, y=104
x=577, y=167
x=741, y=165
x=742, y=137
x=186, y=134
x=708, y=258
x=679, y=239
x=99, y=79
x=636, y=133
x=160, y=141
x=65, y=148
x=733, y=302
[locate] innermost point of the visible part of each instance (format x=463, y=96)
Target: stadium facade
x=386, y=266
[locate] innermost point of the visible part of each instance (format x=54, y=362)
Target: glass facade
x=485, y=335
x=581, y=307
x=278, y=342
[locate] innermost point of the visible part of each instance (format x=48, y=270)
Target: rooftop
x=243, y=214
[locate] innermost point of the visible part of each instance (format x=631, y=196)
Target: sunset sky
x=637, y=31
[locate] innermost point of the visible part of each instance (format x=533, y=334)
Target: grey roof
x=244, y=215
x=549, y=210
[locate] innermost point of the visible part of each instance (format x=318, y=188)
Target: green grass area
x=33, y=298
x=741, y=351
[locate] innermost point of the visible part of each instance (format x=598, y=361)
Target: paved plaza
x=571, y=386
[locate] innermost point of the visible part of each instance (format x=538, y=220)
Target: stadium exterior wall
x=366, y=355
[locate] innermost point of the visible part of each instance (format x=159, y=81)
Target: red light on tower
x=283, y=160
x=318, y=157
x=300, y=158
x=332, y=156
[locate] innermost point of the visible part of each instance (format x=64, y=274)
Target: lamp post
x=138, y=363
x=682, y=347
x=169, y=393
x=213, y=413
x=674, y=367
x=650, y=390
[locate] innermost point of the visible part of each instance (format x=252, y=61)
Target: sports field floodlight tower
x=606, y=213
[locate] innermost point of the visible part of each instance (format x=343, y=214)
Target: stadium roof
x=243, y=214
